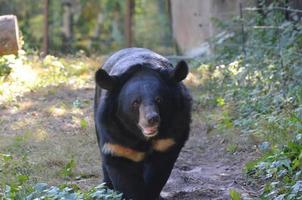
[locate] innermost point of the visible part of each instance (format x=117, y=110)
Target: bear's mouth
x=149, y=131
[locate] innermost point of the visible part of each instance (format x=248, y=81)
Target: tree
x=45, y=35
x=67, y=32
x=128, y=22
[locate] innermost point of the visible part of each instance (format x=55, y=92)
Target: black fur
x=117, y=84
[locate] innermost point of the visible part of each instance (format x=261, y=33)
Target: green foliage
x=231, y=148
x=20, y=167
x=102, y=192
x=259, y=90
x=281, y=171
x=83, y=123
x=235, y=195
x=151, y=25
x=43, y=191
x=17, y=184
x=67, y=171
x=14, y=176
x=97, y=25
x=5, y=69
x=29, y=73
x=254, y=81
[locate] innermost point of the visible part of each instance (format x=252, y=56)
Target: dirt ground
x=205, y=171
x=52, y=118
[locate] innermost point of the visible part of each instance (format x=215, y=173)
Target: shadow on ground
x=52, y=126
x=55, y=125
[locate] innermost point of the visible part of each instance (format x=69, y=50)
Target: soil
x=204, y=169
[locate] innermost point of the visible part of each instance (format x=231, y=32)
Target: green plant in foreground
x=15, y=175
x=258, y=92
x=43, y=191
x=5, y=69
x=68, y=170
x=16, y=183
x=235, y=195
x=282, y=172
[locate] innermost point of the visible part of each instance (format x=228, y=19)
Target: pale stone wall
x=192, y=20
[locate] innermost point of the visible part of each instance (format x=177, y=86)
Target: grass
x=46, y=122
x=47, y=130
x=257, y=116
x=30, y=73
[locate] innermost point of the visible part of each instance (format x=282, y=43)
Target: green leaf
x=22, y=178
x=220, y=101
x=235, y=195
x=6, y=157
x=67, y=171
x=40, y=186
x=77, y=103
x=83, y=123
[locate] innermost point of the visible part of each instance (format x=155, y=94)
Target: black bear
x=142, y=118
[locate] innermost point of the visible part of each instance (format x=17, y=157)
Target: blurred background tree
x=95, y=26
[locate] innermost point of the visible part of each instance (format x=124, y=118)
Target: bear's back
x=122, y=61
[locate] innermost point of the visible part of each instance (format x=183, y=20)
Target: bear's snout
x=149, y=120
x=153, y=119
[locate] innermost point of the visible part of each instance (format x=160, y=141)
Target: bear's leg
x=106, y=178
x=158, y=169
x=126, y=177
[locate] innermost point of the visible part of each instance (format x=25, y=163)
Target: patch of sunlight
x=57, y=111
x=20, y=124
x=255, y=77
x=77, y=111
x=77, y=82
x=52, y=61
x=204, y=72
x=30, y=73
x=25, y=105
x=9, y=91
x=220, y=101
x=271, y=66
x=23, y=73
x=21, y=78
x=77, y=69
x=235, y=68
x=192, y=80
x=203, y=68
x=40, y=135
x=218, y=71
x=76, y=121
x=13, y=110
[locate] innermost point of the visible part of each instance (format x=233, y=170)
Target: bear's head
x=145, y=100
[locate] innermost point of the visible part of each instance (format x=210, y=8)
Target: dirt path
x=204, y=169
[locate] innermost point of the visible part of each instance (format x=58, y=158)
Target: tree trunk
x=128, y=22
x=67, y=25
x=45, y=37
x=9, y=35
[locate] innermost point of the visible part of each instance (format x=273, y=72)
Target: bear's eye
x=158, y=99
x=135, y=103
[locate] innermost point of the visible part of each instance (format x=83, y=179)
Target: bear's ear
x=180, y=72
x=104, y=80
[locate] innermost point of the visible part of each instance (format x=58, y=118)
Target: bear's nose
x=153, y=119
